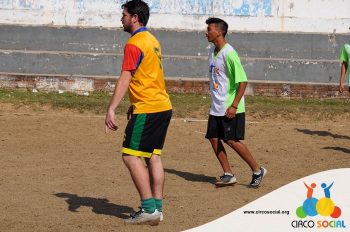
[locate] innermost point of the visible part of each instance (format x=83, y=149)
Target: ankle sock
x=148, y=205
x=159, y=204
x=228, y=174
x=257, y=173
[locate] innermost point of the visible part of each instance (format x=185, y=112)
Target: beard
x=127, y=28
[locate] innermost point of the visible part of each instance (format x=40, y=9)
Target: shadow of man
x=98, y=205
x=322, y=133
x=191, y=176
x=343, y=149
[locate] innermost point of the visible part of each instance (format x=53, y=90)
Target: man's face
x=213, y=32
x=127, y=21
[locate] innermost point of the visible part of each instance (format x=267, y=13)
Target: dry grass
x=185, y=105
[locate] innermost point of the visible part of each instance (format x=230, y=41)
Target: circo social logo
x=324, y=206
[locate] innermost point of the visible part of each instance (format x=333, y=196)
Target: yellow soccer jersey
x=143, y=57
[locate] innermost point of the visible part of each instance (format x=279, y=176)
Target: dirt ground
x=59, y=171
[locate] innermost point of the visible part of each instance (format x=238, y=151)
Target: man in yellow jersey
x=151, y=110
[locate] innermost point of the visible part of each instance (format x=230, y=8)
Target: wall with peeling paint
x=320, y=16
x=62, y=44
x=266, y=56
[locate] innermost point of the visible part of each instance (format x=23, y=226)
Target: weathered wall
x=85, y=59
x=75, y=44
x=320, y=16
x=292, y=57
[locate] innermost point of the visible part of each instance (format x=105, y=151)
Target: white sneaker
x=226, y=180
x=143, y=218
x=161, y=216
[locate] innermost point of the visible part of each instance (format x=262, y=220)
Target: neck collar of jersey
x=139, y=30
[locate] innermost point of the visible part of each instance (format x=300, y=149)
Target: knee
x=127, y=159
x=124, y=158
x=214, y=142
x=232, y=143
x=153, y=160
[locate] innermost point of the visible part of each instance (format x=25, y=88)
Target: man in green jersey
x=226, y=121
x=345, y=59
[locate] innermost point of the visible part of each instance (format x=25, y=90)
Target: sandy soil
x=60, y=172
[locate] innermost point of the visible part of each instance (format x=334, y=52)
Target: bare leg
x=156, y=173
x=244, y=153
x=139, y=175
x=221, y=154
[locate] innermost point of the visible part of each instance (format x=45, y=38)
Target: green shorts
x=145, y=134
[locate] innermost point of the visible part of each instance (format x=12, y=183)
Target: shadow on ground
x=345, y=150
x=192, y=176
x=98, y=205
x=322, y=133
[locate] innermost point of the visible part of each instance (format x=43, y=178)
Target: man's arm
x=343, y=69
x=231, y=111
x=119, y=92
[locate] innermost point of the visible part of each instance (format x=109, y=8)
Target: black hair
x=139, y=8
x=221, y=24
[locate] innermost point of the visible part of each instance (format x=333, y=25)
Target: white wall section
x=321, y=16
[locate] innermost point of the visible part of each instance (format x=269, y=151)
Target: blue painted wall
x=208, y=7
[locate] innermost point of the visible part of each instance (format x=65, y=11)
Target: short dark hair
x=221, y=24
x=139, y=8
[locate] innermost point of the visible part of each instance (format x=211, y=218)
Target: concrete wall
x=320, y=16
x=292, y=57
x=60, y=42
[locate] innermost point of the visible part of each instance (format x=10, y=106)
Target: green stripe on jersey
x=345, y=53
x=235, y=74
x=345, y=57
x=137, y=131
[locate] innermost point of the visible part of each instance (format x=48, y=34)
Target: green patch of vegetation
x=295, y=107
x=185, y=105
x=96, y=102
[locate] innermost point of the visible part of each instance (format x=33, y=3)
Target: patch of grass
x=96, y=102
x=190, y=105
x=185, y=105
x=294, y=107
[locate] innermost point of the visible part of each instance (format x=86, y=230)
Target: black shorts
x=224, y=128
x=145, y=134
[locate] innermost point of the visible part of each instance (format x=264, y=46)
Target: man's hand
x=343, y=70
x=130, y=112
x=119, y=91
x=110, y=121
x=231, y=112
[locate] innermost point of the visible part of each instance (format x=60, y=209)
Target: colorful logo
x=323, y=206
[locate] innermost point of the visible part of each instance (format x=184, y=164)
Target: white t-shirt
x=225, y=73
